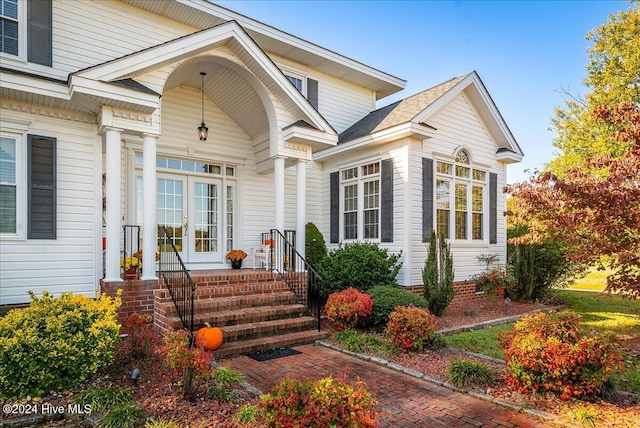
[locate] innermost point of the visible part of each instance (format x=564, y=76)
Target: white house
x=101, y=102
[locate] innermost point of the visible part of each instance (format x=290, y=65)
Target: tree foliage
x=612, y=78
x=595, y=214
x=437, y=275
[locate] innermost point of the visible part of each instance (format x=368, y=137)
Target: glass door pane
x=205, y=214
x=170, y=210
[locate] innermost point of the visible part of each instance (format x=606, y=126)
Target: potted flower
x=236, y=257
x=130, y=264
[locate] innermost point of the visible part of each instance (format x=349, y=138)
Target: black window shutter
x=334, y=188
x=427, y=199
x=41, y=154
x=312, y=92
x=386, y=200
x=39, y=32
x=493, y=208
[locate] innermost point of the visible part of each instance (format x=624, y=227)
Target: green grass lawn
x=604, y=313
x=595, y=280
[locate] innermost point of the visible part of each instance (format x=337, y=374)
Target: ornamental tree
x=595, y=214
x=612, y=79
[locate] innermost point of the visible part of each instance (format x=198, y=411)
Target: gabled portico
x=135, y=99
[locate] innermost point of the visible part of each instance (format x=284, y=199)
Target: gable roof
x=397, y=113
x=204, y=14
x=419, y=108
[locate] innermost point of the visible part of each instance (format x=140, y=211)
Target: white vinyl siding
x=70, y=262
x=458, y=126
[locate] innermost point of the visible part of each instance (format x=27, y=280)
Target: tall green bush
x=56, y=343
x=437, y=275
x=315, y=246
x=537, y=268
x=360, y=265
x=385, y=300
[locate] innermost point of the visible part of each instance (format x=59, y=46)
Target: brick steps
x=255, y=310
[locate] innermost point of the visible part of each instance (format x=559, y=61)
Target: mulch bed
x=159, y=394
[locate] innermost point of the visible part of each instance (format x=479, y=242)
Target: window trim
x=297, y=75
x=470, y=182
x=22, y=35
x=360, y=181
x=20, y=137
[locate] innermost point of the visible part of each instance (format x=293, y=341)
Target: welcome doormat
x=272, y=354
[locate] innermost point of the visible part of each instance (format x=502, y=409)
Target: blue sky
x=524, y=51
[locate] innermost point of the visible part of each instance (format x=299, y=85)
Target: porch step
x=228, y=350
x=256, y=310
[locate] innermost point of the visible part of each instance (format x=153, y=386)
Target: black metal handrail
x=296, y=272
x=175, y=275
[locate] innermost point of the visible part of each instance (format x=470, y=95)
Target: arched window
x=460, y=194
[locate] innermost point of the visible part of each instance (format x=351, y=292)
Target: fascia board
x=289, y=39
x=143, y=102
x=509, y=157
x=385, y=136
x=159, y=56
x=32, y=85
x=301, y=134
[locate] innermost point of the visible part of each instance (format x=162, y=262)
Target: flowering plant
x=495, y=279
x=138, y=255
x=130, y=262
x=234, y=255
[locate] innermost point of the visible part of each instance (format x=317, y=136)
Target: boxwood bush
x=386, y=298
x=360, y=265
x=56, y=343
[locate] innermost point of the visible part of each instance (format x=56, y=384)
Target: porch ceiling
x=229, y=90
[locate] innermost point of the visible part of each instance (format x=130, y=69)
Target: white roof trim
x=201, y=42
x=289, y=39
x=36, y=85
x=386, y=135
x=110, y=94
x=488, y=111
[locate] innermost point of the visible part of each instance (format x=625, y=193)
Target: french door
x=191, y=209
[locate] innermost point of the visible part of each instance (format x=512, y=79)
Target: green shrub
x=348, y=308
x=56, y=343
x=437, y=275
x=103, y=400
x=411, y=328
x=315, y=247
x=385, y=300
x=360, y=265
x=464, y=372
x=356, y=341
x=538, y=268
x=225, y=380
x=124, y=416
x=551, y=352
x=248, y=415
x=323, y=403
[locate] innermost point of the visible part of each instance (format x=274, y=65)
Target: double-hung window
x=9, y=25
x=460, y=199
x=360, y=187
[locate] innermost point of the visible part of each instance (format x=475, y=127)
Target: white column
x=112, y=183
x=278, y=181
x=149, y=226
x=301, y=203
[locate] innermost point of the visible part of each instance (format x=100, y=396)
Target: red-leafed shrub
x=411, y=328
x=141, y=338
x=551, y=352
x=192, y=364
x=346, y=308
x=323, y=403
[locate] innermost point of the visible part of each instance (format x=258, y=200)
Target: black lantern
x=203, y=131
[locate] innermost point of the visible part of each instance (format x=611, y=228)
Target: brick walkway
x=406, y=401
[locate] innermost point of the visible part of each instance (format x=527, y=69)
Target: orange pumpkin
x=209, y=338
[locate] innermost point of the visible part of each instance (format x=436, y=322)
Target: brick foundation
x=465, y=291
x=137, y=295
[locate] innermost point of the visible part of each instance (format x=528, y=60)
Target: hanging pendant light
x=202, y=129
